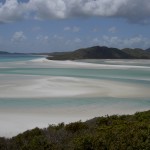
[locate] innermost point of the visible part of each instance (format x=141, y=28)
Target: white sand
x=45, y=63
x=74, y=64
x=15, y=121
x=18, y=86
x=68, y=63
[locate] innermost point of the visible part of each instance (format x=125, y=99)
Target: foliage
x=126, y=132
x=137, y=53
x=77, y=126
x=101, y=52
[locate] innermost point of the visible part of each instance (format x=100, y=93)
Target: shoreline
x=43, y=122
x=41, y=92
x=19, y=118
x=47, y=86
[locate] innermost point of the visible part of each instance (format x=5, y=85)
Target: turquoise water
x=71, y=102
x=17, y=57
x=129, y=75
x=16, y=70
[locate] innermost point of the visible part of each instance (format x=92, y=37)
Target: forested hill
x=148, y=50
x=126, y=132
x=3, y=52
x=98, y=52
x=137, y=53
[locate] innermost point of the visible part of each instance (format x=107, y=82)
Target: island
x=3, y=52
x=101, y=52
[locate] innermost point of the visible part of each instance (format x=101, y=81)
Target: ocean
x=35, y=92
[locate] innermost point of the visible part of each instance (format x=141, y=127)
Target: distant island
x=95, y=52
x=8, y=53
x=126, y=132
x=3, y=52
x=101, y=52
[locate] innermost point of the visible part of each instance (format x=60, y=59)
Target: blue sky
x=64, y=25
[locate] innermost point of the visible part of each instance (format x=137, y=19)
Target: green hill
x=148, y=50
x=98, y=52
x=126, y=132
x=95, y=52
x=137, y=53
x=3, y=52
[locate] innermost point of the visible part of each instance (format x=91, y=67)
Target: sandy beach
x=15, y=121
x=28, y=86
x=45, y=63
x=39, y=92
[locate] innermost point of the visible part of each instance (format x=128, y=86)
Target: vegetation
x=2, y=52
x=148, y=50
x=137, y=53
x=98, y=52
x=126, y=132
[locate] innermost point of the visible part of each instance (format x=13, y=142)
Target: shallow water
x=40, y=92
x=17, y=57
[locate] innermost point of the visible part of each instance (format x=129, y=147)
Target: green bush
x=77, y=126
x=126, y=132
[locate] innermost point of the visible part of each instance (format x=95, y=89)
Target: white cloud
x=131, y=10
x=115, y=41
x=11, y=11
x=77, y=40
x=95, y=41
x=95, y=29
x=75, y=29
x=72, y=29
x=18, y=37
x=43, y=39
x=112, y=29
x=48, y=8
x=67, y=28
x=37, y=28
x=118, y=42
x=58, y=37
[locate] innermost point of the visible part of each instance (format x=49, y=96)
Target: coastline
x=49, y=117
x=43, y=92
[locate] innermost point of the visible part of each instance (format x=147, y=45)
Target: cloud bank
x=137, y=11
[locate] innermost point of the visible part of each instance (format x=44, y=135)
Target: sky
x=66, y=25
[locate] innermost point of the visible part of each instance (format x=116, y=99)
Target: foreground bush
x=126, y=132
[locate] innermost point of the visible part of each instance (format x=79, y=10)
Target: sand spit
x=45, y=63
x=15, y=121
x=74, y=64
x=50, y=86
x=29, y=101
